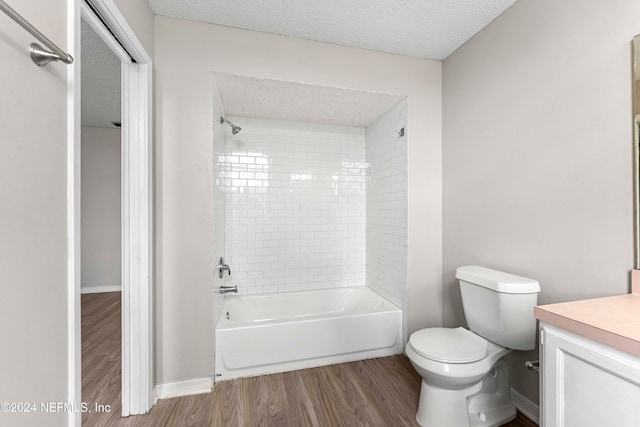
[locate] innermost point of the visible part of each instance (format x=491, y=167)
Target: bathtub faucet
x=228, y=289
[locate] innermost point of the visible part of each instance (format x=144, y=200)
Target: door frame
x=137, y=203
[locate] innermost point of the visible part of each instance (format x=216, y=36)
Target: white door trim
x=74, y=381
x=137, y=307
x=137, y=226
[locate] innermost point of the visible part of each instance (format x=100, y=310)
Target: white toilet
x=465, y=381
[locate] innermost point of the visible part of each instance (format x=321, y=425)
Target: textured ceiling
x=279, y=100
x=100, y=81
x=430, y=29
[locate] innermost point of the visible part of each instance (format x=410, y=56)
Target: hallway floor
x=375, y=392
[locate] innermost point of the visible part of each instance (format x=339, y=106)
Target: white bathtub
x=268, y=333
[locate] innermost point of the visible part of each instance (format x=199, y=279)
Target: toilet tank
x=499, y=306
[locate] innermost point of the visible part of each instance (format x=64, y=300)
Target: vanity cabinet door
x=586, y=383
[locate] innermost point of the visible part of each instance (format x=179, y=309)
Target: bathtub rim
x=387, y=307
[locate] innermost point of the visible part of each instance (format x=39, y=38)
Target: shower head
x=234, y=129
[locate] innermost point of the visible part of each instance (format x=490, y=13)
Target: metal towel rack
x=38, y=54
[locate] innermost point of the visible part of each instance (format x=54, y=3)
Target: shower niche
x=310, y=186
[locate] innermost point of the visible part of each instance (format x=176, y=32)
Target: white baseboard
x=527, y=407
x=100, y=289
x=184, y=388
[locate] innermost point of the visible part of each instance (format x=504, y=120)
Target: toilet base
x=485, y=404
x=492, y=406
x=441, y=407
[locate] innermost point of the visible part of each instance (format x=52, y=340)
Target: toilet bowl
x=448, y=383
x=465, y=381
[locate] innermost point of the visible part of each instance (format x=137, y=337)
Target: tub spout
x=228, y=289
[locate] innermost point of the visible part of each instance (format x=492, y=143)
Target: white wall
x=184, y=167
x=101, y=246
x=538, y=153
x=295, y=205
x=386, y=210
x=33, y=259
x=219, y=213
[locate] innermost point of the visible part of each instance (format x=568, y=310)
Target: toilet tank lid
x=498, y=281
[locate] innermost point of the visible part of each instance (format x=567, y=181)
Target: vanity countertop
x=614, y=321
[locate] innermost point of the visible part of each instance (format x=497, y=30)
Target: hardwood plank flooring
x=377, y=392
x=101, y=354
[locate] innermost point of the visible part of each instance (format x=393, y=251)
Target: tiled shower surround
x=313, y=206
x=386, y=203
x=295, y=204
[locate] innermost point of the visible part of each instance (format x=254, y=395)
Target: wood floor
x=378, y=392
x=101, y=356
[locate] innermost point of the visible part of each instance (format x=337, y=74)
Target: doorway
x=101, y=228
x=136, y=220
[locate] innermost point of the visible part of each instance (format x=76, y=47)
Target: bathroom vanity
x=590, y=362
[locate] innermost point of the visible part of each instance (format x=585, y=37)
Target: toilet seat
x=449, y=345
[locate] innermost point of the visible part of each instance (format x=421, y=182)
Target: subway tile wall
x=386, y=207
x=219, y=195
x=295, y=205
